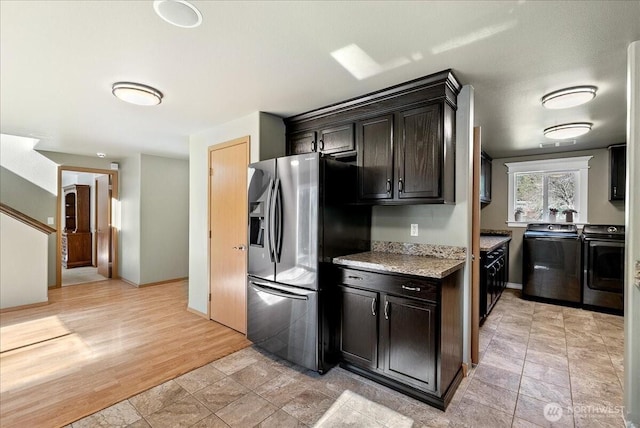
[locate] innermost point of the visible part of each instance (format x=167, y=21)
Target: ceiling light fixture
x=567, y=130
x=569, y=97
x=135, y=93
x=101, y=155
x=180, y=13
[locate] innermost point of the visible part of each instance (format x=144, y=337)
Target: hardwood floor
x=97, y=344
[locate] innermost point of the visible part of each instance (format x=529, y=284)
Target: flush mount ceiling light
x=180, y=13
x=101, y=155
x=567, y=130
x=569, y=97
x=135, y=93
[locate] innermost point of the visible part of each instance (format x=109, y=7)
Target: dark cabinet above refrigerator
x=617, y=171
x=402, y=139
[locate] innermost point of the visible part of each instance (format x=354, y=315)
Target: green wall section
x=32, y=200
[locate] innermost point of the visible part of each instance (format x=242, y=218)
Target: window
x=546, y=190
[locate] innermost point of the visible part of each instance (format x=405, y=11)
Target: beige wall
x=494, y=215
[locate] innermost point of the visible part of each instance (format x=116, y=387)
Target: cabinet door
x=419, y=153
x=359, y=327
x=618, y=158
x=301, y=142
x=337, y=139
x=375, y=158
x=408, y=337
x=485, y=178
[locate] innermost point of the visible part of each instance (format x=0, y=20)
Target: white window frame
x=576, y=164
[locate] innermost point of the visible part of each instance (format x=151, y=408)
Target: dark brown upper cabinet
x=301, y=142
x=485, y=178
x=328, y=141
x=617, y=172
x=403, y=139
x=419, y=153
x=375, y=158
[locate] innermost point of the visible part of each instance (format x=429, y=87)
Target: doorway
x=228, y=214
x=86, y=249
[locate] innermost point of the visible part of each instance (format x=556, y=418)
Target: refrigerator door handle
x=258, y=286
x=272, y=221
x=269, y=216
x=278, y=222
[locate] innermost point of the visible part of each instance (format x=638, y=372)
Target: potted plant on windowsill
x=517, y=214
x=552, y=214
x=568, y=214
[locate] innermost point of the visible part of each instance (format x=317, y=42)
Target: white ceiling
x=59, y=59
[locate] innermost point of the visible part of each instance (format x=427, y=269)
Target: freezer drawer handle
x=405, y=287
x=266, y=289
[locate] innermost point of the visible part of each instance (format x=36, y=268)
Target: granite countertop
x=491, y=242
x=429, y=267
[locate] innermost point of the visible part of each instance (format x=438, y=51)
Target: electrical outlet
x=414, y=230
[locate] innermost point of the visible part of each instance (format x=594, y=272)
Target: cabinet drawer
x=391, y=284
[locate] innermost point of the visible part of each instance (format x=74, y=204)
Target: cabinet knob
x=400, y=186
x=373, y=306
x=354, y=277
x=313, y=146
x=406, y=287
x=388, y=185
x=321, y=144
x=615, y=191
x=386, y=309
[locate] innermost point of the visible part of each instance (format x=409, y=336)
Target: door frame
x=114, y=230
x=230, y=143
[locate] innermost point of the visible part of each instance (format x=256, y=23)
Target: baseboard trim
x=197, y=312
x=17, y=308
x=151, y=284
x=514, y=285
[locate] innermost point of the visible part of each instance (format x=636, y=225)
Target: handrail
x=30, y=221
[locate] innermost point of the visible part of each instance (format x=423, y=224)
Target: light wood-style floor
x=95, y=345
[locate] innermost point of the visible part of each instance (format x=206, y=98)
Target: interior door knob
x=240, y=248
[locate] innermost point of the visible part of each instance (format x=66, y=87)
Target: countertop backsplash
x=428, y=250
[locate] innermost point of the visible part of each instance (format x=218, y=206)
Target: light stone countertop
x=490, y=243
x=429, y=267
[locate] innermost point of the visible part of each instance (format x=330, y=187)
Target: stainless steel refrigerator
x=302, y=213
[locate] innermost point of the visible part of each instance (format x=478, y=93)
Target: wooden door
x=103, y=225
x=408, y=337
x=419, y=153
x=375, y=158
x=359, y=327
x=228, y=214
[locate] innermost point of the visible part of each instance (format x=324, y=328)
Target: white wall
x=129, y=234
x=440, y=224
x=632, y=295
x=22, y=282
x=164, y=214
x=258, y=126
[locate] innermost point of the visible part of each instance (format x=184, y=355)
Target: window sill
x=526, y=223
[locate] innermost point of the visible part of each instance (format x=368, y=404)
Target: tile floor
x=532, y=354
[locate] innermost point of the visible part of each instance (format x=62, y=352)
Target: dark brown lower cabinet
x=359, y=338
x=402, y=331
x=408, y=337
